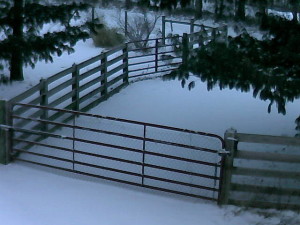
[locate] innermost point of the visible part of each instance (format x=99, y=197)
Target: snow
x=167, y=103
x=34, y=196
x=31, y=195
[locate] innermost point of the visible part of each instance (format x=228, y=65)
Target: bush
x=107, y=37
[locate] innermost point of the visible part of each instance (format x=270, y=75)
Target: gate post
x=4, y=132
x=226, y=172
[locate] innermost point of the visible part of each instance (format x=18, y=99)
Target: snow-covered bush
x=139, y=27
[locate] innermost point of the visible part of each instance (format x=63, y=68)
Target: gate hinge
x=223, y=152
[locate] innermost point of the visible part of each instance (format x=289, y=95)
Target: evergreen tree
x=269, y=67
x=23, y=43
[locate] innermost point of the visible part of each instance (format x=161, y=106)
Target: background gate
x=153, y=156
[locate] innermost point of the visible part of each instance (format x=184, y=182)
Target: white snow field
x=35, y=196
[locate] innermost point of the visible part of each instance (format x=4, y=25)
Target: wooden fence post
x=75, y=87
x=44, y=102
x=192, y=26
x=4, y=132
x=104, y=74
x=227, y=165
x=125, y=63
x=163, y=29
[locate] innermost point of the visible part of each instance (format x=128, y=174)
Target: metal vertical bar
x=163, y=29
x=144, y=148
x=156, y=55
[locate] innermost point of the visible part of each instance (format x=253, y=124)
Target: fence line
x=86, y=84
x=267, y=165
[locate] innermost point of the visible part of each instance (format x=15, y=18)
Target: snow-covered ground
x=32, y=195
x=35, y=196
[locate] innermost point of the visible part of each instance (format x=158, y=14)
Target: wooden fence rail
x=262, y=172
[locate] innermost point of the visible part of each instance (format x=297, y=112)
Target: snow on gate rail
x=149, y=155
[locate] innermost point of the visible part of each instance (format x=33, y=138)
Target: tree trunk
x=199, y=8
x=16, y=63
x=295, y=15
x=240, y=13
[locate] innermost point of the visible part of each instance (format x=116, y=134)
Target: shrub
x=107, y=37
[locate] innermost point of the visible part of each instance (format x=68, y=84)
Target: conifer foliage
x=22, y=39
x=270, y=67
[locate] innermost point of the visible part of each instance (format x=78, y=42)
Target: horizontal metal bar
x=127, y=121
x=118, y=170
x=182, y=159
x=150, y=73
x=121, y=135
x=22, y=110
x=121, y=181
x=139, y=63
x=115, y=146
x=119, y=159
x=76, y=162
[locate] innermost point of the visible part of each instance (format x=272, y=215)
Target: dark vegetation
x=269, y=67
x=21, y=22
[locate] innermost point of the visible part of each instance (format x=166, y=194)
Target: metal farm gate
x=152, y=156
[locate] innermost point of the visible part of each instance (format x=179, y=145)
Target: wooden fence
x=85, y=85
x=206, y=33
x=261, y=171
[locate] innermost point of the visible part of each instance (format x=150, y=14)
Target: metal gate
x=152, y=156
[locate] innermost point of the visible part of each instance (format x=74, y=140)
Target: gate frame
x=9, y=129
